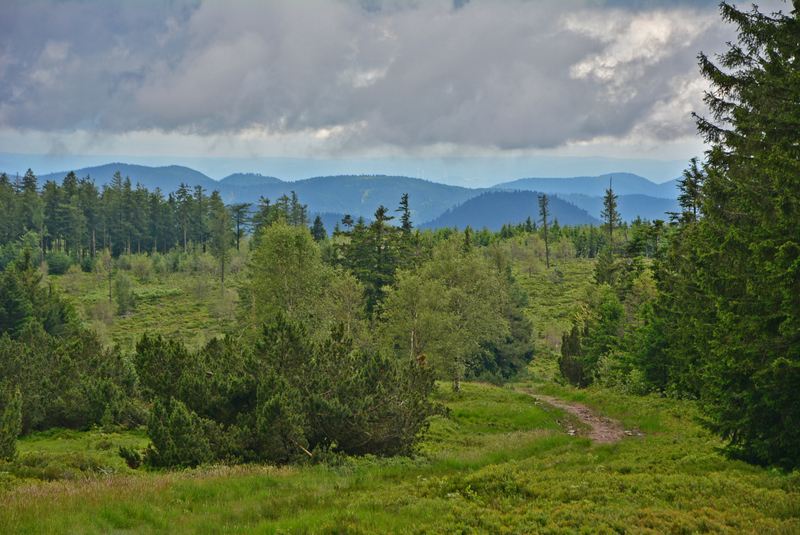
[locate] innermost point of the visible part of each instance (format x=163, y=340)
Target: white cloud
x=335, y=78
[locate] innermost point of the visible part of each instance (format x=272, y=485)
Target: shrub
x=123, y=293
x=124, y=262
x=71, y=280
x=57, y=262
x=87, y=264
x=142, y=267
x=10, y=426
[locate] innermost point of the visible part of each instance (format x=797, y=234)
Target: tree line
x=716, y=315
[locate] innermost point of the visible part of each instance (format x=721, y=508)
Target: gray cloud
x=512, y=75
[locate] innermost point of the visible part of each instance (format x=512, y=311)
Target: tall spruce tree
x=747, y=242
x=610, y=214
x=544, y=213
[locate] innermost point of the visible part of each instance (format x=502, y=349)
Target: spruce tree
x=610, y=214
x=318, y=230
x=544, y=213
x=747, y=238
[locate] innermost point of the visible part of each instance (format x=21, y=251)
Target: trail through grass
x=499, y=464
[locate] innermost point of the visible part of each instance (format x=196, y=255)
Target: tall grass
x=499, y=464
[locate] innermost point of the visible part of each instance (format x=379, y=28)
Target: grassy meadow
x=499, y=462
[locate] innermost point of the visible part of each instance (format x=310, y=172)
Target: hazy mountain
x=346, y=194
x=249, y=179
x=595, y=186
x=167, y=178
x=361, y=195
x=492, y=209
x=629, y=206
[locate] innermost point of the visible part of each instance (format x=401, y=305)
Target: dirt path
x=603, y=430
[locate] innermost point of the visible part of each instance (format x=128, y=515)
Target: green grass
x=551, y=305
x=500, y=464
x=166, y=304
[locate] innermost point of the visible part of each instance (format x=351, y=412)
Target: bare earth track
x=604, y=430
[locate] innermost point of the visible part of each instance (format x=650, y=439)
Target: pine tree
x=610, y=214
x=318, y=230
x=544, y=213
x=221, y=230
x=347, y=221
x=747, y=242
x=405, y=218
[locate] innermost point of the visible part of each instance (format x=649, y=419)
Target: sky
x=350, y=80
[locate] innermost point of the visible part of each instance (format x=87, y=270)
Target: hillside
x=167, y=178
x=495, y=208
x=360, y=195
x=346, y=194
x=629, y=206
x=249, y=179
x=595, y=186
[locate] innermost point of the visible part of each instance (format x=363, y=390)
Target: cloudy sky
x=348, y=79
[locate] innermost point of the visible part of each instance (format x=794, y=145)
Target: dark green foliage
x=177, y=435
x=68, y=381
x=506, y=359
x=23, y=299
x=544, y=213
x=610, y=215
x=280, y=402
x=10, y=426
x=57, y=262
x=16, y=308
x=132, y=457
x=374, y=253
x=569, y=363
x=318, y=230
x=747, y=240
x=405, y=217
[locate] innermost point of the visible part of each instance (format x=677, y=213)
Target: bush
x=87, y=264
x=71, y=281
x=10, y=427
x=142, y=267
x=123, y=293
x=124, y=262
x=57, y=262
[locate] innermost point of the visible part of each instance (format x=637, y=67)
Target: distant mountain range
x=432, y=204
x=629, y=206
x=596, y=186
x=492, y=209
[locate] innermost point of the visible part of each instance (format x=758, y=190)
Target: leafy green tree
x=240, y=213
x=23, y=299
x=570, y=363
x=288, y=275
x=123, y=293
x=347, y=221
x=453, y=305
x=183, y=202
